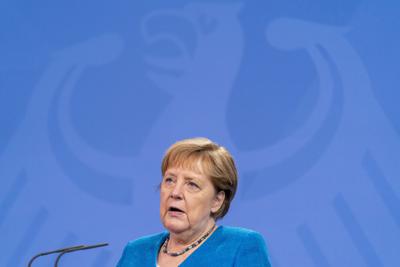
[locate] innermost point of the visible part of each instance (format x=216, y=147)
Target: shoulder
x=240, y=234
x=141, y=251
x=250, y=248
x=146, y=241
x=238, y=238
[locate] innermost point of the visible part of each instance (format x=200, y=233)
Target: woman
x=198, y=185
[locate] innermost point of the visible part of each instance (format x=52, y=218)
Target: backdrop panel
x=304, y=93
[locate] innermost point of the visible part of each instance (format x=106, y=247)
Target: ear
x=218, y=201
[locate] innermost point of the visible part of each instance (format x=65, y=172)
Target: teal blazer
x=227, y=246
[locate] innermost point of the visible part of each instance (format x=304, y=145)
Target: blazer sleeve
x=252, y=252
x=122, y=260
x=127, y=258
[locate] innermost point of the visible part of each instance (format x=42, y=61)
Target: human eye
x=168, y=180
x=193, y=186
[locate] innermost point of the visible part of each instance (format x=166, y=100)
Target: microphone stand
x=76, y=249
x=52, y=252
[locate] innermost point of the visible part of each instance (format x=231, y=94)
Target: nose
x=176, y=192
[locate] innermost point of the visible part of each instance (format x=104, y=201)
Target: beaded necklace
x=183, y=251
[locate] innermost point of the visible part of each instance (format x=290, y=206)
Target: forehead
x=186, y=173
x=191, y=166
x=195, y=163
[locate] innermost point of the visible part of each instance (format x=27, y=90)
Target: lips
x=175, y=211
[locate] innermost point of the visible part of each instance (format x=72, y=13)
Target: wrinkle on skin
x=193, y=193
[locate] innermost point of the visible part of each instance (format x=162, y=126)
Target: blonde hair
x=215, y=162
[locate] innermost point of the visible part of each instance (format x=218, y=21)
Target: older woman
x=199, y=182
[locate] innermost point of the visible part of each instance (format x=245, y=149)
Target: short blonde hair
x=216, y=162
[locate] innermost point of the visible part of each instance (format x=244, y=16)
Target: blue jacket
x=227, y=246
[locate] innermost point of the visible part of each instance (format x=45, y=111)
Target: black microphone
x=52, y=252
x=76, y=249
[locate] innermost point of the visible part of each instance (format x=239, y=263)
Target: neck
x=181, y=240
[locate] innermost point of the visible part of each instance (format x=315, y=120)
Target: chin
x=175, y=226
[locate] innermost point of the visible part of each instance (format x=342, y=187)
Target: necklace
x=183, y=251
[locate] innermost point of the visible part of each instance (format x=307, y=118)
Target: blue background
x=303, y=93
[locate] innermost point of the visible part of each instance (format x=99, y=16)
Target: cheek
x=163, y=200
x=199, y=206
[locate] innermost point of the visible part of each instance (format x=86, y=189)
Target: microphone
x=52, y=252
x=73, y=249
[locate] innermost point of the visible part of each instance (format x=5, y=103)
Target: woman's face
x=187, y=200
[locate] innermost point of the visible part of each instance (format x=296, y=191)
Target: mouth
x=174, y=211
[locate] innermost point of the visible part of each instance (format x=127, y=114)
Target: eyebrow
x=197, y=180
x=186, y=177
x=169, y=173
